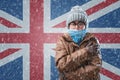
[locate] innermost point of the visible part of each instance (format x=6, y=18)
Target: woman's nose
x=77, y=26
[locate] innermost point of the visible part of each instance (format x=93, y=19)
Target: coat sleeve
x=66, y=62
x=94, y=65
x=96, y=61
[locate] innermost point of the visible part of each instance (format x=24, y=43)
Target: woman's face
x=77, y=25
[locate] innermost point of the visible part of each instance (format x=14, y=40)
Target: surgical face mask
x=77, y=35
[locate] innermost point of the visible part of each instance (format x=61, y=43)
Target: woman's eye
x=73, y=24
x=80, y=24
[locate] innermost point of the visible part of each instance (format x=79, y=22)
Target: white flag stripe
x=63, y=17
x=48, y=24
x=24, y=52
x=25, y=24
x=103, y=77
x=111, y=68
x=4, y=29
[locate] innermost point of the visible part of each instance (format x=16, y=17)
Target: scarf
x=77, y=35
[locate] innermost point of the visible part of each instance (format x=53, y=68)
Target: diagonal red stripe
x=90, y=11
x=60, y=25
x=100, y=6
x=8, y=52
x=8, y=23
x=110, y=74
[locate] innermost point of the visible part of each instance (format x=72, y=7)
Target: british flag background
x=29, y=30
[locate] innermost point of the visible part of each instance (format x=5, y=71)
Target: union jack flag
x=29, y=29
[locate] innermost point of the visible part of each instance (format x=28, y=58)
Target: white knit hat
x=77, y=13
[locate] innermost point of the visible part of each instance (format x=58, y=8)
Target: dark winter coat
x=74, y=62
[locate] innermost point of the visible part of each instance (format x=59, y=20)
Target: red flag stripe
x=60, y=25
x=18, y=38
x=108, y=37
x=35, y=38
x=8, y=23
x=8, y=52
x=102, y=37
x=100, y=6
x=110, y=74
x=90, y=11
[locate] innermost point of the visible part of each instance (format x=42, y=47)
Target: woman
x=77, y=51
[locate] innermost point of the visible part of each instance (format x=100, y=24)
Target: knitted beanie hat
x=77, y=13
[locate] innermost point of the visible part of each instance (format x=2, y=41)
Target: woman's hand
x=92, y=48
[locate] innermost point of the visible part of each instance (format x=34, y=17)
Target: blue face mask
x=77, y=35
